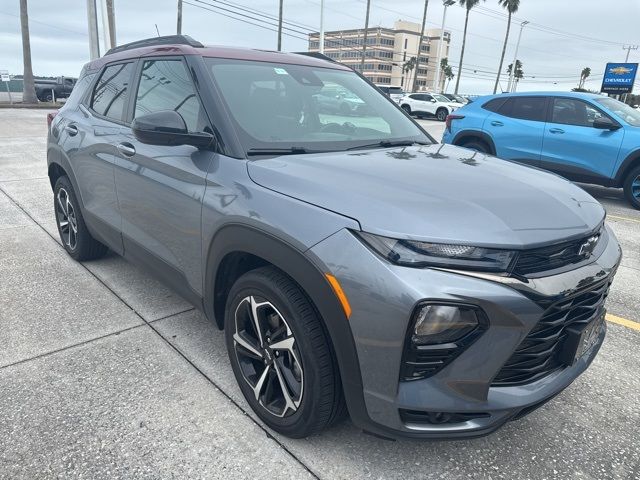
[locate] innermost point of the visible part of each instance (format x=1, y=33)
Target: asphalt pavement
x=105, y=373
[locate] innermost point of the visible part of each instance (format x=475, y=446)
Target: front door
x=160, y=188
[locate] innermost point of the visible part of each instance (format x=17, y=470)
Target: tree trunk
x=504, y=50
x=464, y=41
x=28, y=86
x=417, y=66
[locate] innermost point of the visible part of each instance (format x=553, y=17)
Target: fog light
x=436, y=324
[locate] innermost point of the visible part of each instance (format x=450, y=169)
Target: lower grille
x=438, y=418
x=539, y=353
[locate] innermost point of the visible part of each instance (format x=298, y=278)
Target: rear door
x=90, y=138
x=517, y=128
x=573, y=147
x=160, y=188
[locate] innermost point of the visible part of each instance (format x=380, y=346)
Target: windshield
x=441, y=98
x=280, y=106
x=624, y=111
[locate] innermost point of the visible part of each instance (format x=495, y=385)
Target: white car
x=423, y=104
x=395, y=93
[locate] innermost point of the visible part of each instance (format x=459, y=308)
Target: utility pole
x=111, y=20
x=179, y=24
x=92, y=19
x=628, y=48
x=436, y=83
x=364, y=41
x=417, y=66
x=511, y=85
x=280, y=28
x=321, y=26
x=108, y=24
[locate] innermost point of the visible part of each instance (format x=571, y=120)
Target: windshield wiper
x=282, y=151
x=389, y=143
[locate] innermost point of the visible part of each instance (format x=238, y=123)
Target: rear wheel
x=75, y=236
x=281, y=355
x=406, y=108
x=441, y=114
x=475, y=144
x=632, y=187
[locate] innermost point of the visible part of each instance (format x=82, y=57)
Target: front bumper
x=383, y=296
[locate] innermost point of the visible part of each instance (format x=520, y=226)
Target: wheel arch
x=238, y=248
x=465, y=135
x=630, y=162
x=58, y=165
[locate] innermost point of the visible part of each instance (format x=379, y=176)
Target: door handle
x=126, y=149
x=71, y=129
x=496, y=123
x=556, y=130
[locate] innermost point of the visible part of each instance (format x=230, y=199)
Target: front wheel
x=441, y=114
x=632, y=187
x=281, y=355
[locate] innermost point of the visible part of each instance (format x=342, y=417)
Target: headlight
x=423, y=254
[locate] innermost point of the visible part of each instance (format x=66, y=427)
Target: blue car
x=584, y=137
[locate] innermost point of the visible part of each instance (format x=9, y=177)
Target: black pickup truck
x=47, y=87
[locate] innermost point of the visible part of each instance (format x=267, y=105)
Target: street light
x=436, y=83
x=511, y=86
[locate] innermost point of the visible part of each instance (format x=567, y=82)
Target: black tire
x=631, y=191
x=79, y=244
x=316, y=388
x=406, y=108
x=441, y=114
x=477, y=145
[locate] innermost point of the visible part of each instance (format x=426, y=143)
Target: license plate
x=581, y=339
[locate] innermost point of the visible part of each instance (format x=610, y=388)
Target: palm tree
x=28, y=86
x=424, y=20
x=583, y=76
x=468, y=4
x=512, y=7
x=447, y=71
x=408, y=67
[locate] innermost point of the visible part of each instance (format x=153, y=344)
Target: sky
x=562, y=38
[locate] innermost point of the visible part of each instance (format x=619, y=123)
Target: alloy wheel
x=635, y=187
x=66, y=216
x=268, y=356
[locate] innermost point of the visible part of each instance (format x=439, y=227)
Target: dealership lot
x=105, y=372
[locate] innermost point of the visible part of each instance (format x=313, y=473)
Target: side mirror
x=168, y=128
x=605, y=123
x=433, y=100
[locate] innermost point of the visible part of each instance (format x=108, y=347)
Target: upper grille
x=538, y=354
x=551, y=257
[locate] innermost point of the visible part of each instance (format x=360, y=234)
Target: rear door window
x=110, y=93
x=525, y=108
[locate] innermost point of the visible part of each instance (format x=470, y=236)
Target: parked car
x=47, y=87
x=334, y=99
x=428, y=104
x=354, y=265
x=581, y=136
x=456, y=98
x=396, y=93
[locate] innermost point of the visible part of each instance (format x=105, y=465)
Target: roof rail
x=150, y=42
x=319, y=55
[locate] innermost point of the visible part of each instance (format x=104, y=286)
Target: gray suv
x=354, y=264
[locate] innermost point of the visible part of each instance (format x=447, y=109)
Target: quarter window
x=167, y=85
x=525, y=108
x=110, y=93
x=569, y=111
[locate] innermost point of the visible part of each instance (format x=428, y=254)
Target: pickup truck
x=47, y=87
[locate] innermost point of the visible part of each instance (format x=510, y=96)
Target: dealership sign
x=619, y=78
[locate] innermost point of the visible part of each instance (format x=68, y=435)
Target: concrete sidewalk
x=104, y=372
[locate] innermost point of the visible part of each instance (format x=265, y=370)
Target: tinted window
x=569, y=111
x=395, y=90
x=525, y=108
x=167, y=85
x=110, y=94
x=495, y=104
x=624, y=111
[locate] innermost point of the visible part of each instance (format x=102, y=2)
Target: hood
x=438, y=193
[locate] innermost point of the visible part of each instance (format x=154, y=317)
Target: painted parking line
x=624, y=218
x=623, y=321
